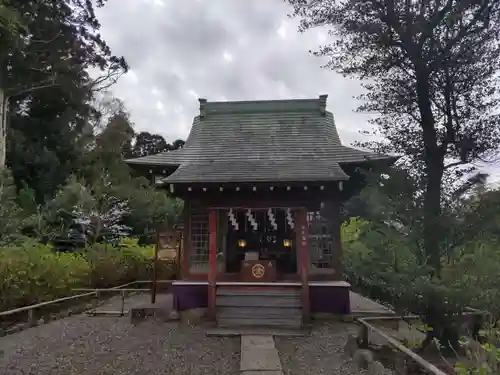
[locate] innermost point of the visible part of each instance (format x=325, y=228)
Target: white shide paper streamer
x=289, y=218
x=233, y=220
x=272, y=219
x=251, y=219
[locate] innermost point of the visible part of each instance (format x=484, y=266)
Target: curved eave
x=157, y=169
x=163, y=159
x=132, y=163
x=263, y=171
x=382, y=160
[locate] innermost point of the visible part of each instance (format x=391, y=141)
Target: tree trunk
x=4, y=110
x=432, y=213
x=434, y=169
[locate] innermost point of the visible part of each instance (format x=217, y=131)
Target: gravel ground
x=320, y=353
x=81, y=345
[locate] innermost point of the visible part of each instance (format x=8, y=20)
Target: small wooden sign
x=168, y=242
x=167, y=248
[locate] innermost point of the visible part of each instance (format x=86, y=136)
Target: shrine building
x=263, y=184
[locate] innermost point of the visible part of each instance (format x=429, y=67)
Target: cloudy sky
x=180, y=50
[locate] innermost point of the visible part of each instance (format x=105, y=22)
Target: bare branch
x=42, y=85
x=455, y=164
x=46, y=41
x=107, y=80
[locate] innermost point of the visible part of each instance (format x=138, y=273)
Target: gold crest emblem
x=258, y=271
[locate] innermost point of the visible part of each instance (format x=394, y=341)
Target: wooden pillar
x=303, y=248
x=187, y=241
x=212, y=276
x=337, y=240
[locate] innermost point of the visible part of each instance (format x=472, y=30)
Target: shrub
x=144, y=255
x=481, y=358
x=384, y=265
x=10, y=212
x=31, y=273
x=114, y=265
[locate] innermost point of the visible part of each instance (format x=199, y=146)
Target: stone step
x=285, y=293
x=261, y=312
x=292, y=322
x=257, y=301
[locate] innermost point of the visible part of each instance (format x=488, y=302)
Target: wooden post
x=212, y=276
x=31, y=317
x=123, y=302
x=155, y=261
x=180, y=250
x=96, y=301
x=302, y=246
x=363, y=339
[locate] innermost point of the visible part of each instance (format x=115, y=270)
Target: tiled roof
x=260, y=141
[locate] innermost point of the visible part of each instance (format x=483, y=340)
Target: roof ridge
x=317, y=105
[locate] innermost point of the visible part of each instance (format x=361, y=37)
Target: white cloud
x=193, y=94
x=131, y=77
x=227, y=57
x=282, y=31
x=160, y=107
x=322, y=36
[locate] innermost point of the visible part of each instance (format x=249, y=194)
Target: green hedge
x=33, y=273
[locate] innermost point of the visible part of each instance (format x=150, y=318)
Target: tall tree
x=106, y=157
x=10, y=21
x=177, y=144
x=148, y=144
x=59, y=43
x=430, y=71
x=45, y=138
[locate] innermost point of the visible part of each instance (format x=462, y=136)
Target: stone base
x=325, y=296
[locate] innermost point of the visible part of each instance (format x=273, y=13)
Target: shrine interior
x=265, y=234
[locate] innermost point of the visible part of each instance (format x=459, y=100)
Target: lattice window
x=320, y=243
x=200, y=237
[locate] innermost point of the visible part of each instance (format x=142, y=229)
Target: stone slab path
x=259, y=356
x=138, y=300
x=360, y=304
